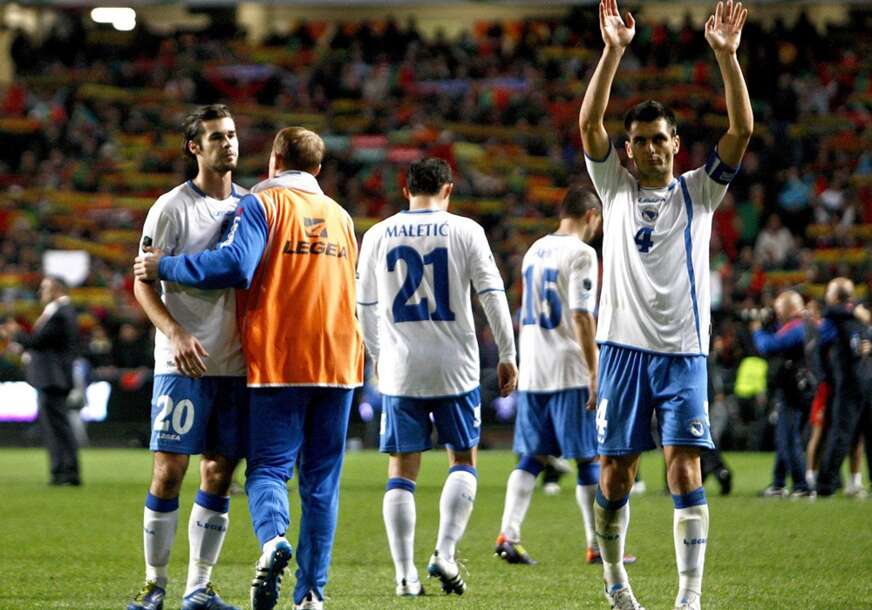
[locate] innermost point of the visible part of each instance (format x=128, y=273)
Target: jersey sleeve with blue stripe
x=234, y=262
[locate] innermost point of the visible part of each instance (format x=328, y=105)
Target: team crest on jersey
x=650, y=214
x=587, y=284
x=315, y=227
x=696, y=427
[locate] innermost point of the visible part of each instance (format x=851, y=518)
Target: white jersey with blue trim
x=415, y=269
x=560, y=277
x=187, y=221
x=655, y=293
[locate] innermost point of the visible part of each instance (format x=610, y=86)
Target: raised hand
x=723, y=30
x=616, y=33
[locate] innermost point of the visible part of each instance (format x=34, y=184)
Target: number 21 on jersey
x=415, y=263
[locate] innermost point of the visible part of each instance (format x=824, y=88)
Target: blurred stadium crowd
x=91, y=138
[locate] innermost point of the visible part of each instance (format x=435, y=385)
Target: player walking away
x=654, y=307
x=557, y=377
x=199, y=403
x=294, y=250
x=414, y=304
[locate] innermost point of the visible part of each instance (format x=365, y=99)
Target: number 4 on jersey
x=643, y=239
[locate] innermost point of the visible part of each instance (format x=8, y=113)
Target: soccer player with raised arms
x=200, y=403
x=653, y=324
x=414, y=304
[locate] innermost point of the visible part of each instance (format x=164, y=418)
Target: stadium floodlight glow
x=121, y=18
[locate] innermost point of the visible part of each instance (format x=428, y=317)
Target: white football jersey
x=416, y=268
x=187, y=221
x=655, y=293
x=560, y=276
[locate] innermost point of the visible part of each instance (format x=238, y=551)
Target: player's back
x=186, y=220
x=416, y=268
x=560, y=276
x=299, y=324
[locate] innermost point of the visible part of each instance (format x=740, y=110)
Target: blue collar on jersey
x=233, y=192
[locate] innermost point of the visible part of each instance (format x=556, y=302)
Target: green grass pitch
x=81, y=548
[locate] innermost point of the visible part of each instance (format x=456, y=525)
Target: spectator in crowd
x=51, y=348
x=774, y=244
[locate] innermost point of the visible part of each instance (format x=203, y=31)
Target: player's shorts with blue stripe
x=555, y=423
x=205, y=415
x=634, y=384
x=407, y=423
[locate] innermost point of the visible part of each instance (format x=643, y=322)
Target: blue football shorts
x=205, y=415
x=407, y=423
x=555, y=423
x=634, y=385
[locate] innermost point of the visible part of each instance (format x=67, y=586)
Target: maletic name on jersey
x=430, y=229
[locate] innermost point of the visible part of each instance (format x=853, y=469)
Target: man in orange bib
x=292, y=252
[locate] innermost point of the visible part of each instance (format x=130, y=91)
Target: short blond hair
x=299, y=148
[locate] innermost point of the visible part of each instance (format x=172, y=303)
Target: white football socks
x=207, y=528
x=159, y=521
x=519, y=493
x=585, y=496
x=398, y=510
x=612, y=519
x=455, y=508
x=690, y=527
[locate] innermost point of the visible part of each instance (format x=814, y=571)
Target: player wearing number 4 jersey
x=199, y=403
x=414, y=304
x=654, y=308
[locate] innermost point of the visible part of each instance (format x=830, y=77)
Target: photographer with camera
x=845, y=331
x=792, y=385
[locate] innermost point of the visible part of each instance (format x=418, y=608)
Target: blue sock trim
x=220, y=504
x=530, y=464
x=400, y=483
x=694, y=498
x=464, y=468
x=160, y=505
x=610, y=504
x=588, y=474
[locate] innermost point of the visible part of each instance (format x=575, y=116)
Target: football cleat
x=594, y=556
x=447, y=571
x=512, y=552
x=854, y=491
x=151, y=597
x=267, y=582
x=688, y=601
x=205, y=598
x=310, y=602
x=622, y=598
x=410, y=588
x=774, y=492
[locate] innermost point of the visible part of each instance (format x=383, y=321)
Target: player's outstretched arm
x=723, y=31
x=231, y=265
x=616, y=34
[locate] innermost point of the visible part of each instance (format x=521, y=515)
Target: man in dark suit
x=51, y=348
